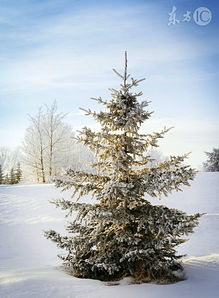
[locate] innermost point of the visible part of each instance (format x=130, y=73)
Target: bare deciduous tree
x=48, y=139
x=58, y=136
x=34, y=146
x=9, y=158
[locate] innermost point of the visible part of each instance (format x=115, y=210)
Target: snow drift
x=29, y=266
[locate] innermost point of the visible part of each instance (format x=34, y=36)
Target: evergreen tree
x=7, y=179
x=18, y=173
x=212, y=163
x=12, y=179
x=122, y=233
x=1, y=175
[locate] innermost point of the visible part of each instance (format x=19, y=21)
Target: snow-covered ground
x=29, y=267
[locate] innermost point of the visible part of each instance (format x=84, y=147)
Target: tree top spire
x=126, y=66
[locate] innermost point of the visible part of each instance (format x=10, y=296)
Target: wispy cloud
x=57, y=51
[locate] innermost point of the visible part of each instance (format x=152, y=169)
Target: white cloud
x=60, y=51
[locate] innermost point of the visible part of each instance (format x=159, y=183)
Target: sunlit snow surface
x=29, y=267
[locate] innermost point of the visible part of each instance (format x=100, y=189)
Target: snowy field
x=29, y=267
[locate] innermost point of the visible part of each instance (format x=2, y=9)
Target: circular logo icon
x=202, y=16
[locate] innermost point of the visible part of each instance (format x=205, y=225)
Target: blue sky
x=65, y=50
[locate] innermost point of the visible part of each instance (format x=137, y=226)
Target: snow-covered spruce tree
x=1, y=175
x=212, y=163
x=122, y=233
x=6, y=179
x=18, y=173
x=12, y=177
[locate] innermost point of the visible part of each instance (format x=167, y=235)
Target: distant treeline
x=12, y=177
